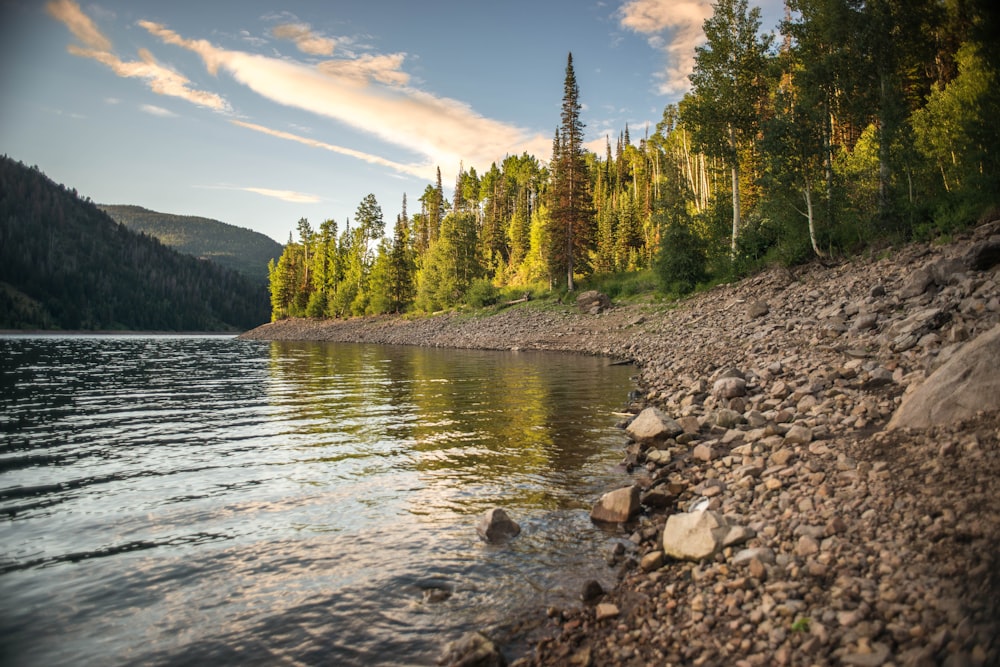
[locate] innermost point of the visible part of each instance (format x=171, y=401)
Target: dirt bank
x=861, y=546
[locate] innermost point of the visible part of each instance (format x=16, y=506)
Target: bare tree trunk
x=736, y=188
x=807, y=194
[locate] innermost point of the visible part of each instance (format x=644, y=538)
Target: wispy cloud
x=442, y=130
x=79, y=24
x=305, y=39
x=160, y=79
x=285, y=195
x=157, y=111
x=419, y=170
x=673, y=27
x=291, y=196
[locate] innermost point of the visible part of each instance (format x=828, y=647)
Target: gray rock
x=917, y=283
x=495, y=526
x=984, y=255
x=473, y=649
x=592, y=302
x=947, y=271
x=865, y=321
x=616, y=506
x=729, y=387
x=967, y=383
x=694, y=535
x=591, y=591
x=758, y=309
x=653, y=424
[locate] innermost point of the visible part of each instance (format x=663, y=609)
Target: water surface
x=179, y=500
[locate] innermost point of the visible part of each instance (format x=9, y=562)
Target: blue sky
x=261, y=112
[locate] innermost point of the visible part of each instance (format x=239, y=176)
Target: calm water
x=193, y=500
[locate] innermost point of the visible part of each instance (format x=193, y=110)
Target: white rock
x=694, y=535
x=653, y=424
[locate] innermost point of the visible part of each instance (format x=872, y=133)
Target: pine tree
x=571, y=215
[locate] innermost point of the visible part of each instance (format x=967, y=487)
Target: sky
x=262, y=112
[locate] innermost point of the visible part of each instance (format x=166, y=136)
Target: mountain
x=236, y=248
x=65, y=264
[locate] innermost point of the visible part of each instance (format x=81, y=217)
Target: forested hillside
x=848, y=125
x=64, y=264
x=237, y=248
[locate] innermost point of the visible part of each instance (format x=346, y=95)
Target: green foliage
x=481, y=293
x=64, y=264
x=236, y=248
x=682, y=261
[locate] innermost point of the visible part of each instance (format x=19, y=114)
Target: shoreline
x=858, y=545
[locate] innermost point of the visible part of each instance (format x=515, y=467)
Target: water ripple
x=177, y=500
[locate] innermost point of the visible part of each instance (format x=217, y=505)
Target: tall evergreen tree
x=571, y=207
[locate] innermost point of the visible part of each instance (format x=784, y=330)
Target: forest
x=64, y=264
x=855, y=125
x=242, y=250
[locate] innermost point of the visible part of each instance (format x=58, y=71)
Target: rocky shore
x=832, y=538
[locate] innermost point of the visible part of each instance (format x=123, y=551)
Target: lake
x=204, y=500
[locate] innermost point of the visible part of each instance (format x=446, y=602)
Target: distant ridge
x=237, y=248
x=66, y=265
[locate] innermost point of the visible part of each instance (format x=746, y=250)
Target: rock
x=616, y=506
x=917, y=283
x=947, y=271
x=651, y=561
x=798, y=435
x=865, y=321
x=653, y=424
x=807, y=546
x=874, y=656
x=495, y=526
x=983, y=255
x=727, y=418
x=738, y=535
x=967, y=383
x=592, y=302
x=729, y=387
x=472, y=650
x=758, y=309
x=694, y=535
x=762, y=554
x=606, y=610
x=782, y=456
x=703, y=452
x=658, y=498
x=591, y=591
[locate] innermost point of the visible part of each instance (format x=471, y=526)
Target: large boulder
x=694, y=535
x=616, y=506
x=495, y=526
x=964, y=385
x=593, y=302
x=653, y=424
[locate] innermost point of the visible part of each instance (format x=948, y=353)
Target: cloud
x=158, y=111
x=79, y=24
x=682, y=20
x=382, y=68
x=160, y=79
x=441, y=130
x=304, y=38
x=419, y=170
x=285, y=195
